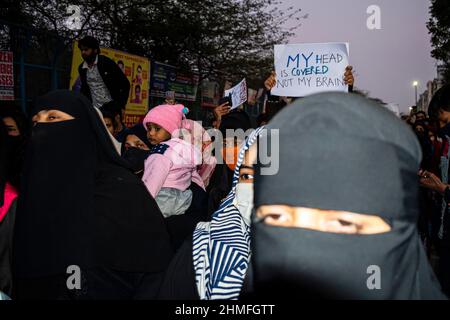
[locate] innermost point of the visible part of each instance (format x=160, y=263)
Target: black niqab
x=135, y=156
x=342, y=152
x=3, y=161
x=139, y=131
x=16, y=145
x=80, y=204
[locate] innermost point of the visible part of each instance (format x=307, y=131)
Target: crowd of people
x=167, y=209
x=433, y=133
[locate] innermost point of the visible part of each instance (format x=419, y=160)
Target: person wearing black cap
x=222, y=177
x=338, y=218
x=81, y=208
x=102, y=80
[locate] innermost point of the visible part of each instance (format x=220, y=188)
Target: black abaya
x=80, y=204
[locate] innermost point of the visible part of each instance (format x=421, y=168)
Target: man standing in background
x=102, y=80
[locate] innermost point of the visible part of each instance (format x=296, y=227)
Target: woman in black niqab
x=4, y=157
x=81, y=206
x=136, y=156
x=340, y=153
x=16, y=143
x=8, y=201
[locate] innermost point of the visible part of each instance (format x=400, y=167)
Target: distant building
x=432, y=86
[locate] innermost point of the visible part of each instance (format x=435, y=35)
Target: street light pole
x=416, y=84
x=416, y=95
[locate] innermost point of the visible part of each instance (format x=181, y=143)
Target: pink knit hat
x=167, y=116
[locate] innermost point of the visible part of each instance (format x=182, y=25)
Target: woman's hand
x=349, y=79
x=219, y=112
x=270, y=81
x=430, y=181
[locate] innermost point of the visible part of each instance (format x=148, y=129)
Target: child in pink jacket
x=172, y=164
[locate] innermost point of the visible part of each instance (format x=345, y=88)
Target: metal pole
x=23, y=95
x=23, y=102
x=416, y=95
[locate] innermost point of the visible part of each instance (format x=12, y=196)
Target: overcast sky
x=386, y=61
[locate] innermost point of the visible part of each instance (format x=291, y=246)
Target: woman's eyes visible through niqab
x=322, y=220
x=47, y=116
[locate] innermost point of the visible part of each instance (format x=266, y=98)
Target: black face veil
x=342, y=152
x=79, y=204
x=135, y=156
x=4, y=155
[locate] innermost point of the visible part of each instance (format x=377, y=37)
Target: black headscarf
x=16, y=144
x=236, y=119
x=4, y=156
x=342, y=152
x=18, y=116
x=79, y=203
x=139, y=131
x=222, y=177
x=135, y=156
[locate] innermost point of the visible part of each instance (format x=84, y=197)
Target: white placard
x=308, y=68
x=238, y=94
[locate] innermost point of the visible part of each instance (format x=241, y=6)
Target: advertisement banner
x=210, y=94
x=169, y=78
x=6, y=76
